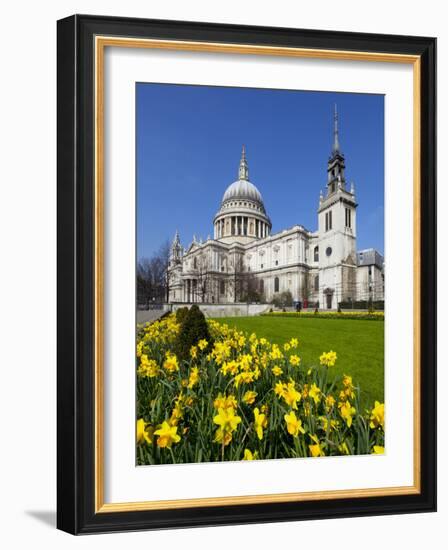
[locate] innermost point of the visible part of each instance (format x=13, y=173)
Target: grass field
x=359, y=346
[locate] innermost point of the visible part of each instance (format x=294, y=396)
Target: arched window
x=316, y=282
x=276, y=284
x=222, y=287
x=316, y=253
x=195, y=263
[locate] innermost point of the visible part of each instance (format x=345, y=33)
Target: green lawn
x=358, y=344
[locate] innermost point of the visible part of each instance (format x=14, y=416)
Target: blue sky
x=189, y=141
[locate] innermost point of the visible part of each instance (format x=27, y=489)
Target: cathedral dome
x=242, y=190
x=242, y=216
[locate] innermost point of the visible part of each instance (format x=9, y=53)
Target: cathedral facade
x=245, y=258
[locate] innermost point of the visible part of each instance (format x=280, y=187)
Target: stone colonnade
x=241, y=225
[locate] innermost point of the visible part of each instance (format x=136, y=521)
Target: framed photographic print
x=246, y=274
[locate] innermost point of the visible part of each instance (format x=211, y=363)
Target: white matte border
x=124, y=482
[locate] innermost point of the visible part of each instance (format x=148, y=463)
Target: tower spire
x=176, y=240
x=243, y=171
x=335, y=131
x=336, y=162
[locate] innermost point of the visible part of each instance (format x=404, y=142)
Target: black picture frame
x=76, y=270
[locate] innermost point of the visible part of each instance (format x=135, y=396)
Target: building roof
x=243, y=190
x=370, y=256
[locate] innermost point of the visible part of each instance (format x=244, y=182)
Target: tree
x=246, y=284
x=203, y=277
x=282, y=299
x=306, y=286
x=152, y=276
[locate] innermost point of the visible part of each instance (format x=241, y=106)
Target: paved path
x=149, y=315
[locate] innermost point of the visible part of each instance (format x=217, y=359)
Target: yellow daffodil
x=202, y=344
x=294, y=360
x=140, y=348
x=377, y=415
x=171, y=364
x=348, y=391
x=316, y=449
x=329, y=402
x=275, y=353
x=286, y=346
x=225, y=402
x=228, y=423
x=291, y=395
x=229, y=367
x=294, y=343
x=249, y=455
x=277, y=371
x=177, y=412
x=144, y=432
x=249, y=397
x=167, y=435
x=194, y=352
x=293, y=424
x=328, y=359
x=347, y=412
x=315, y=393
x=246, y=361
x=244, y=378
x=280, y=389
x=378, y=450
x=221, y=352
x=193, y=378
x=148, y=368
x=260, y=422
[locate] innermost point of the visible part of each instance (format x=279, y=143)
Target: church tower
x=176, y=250
x=337, y=231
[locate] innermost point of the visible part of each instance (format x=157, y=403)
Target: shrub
x=282, y=299
x=362, y=304
x=193, y=328
x=181, y=313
